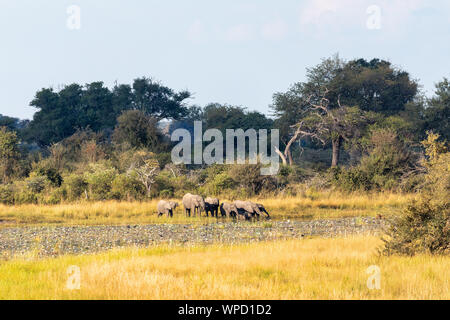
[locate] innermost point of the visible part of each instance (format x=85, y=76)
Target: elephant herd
x=194, y=204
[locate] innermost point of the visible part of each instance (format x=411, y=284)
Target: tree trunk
x=282, y=156
x=336, y=151
x=289, y=154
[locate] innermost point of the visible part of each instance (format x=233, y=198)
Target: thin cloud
x=274, y=30
x=332, y=14
x=197, y=32
x=238, y=33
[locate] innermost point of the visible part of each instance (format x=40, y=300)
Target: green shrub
x=388, y=160
x=51, y=174
x=127, y=187
x=248, y=176
x=163, y=182
x=99, y=179
x=25, y=196
x=37, y=184
x=166, y=194
x=424, y=226
x=219, y=184
x=6, y=194
x=54, y=197
x=75, y=186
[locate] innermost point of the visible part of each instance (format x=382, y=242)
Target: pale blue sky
x=236, y=52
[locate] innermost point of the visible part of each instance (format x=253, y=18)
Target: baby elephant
x=212, y=205
x=166, y=207
x=228, y=210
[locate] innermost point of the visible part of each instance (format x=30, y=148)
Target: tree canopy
x=60, y=114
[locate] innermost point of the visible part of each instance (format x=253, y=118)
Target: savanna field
x=317, y=205
x=303, y=269
x=310, y=267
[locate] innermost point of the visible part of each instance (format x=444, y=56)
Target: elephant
x=228, y=210
x=212, y=205
x=194, y=203
x=263, y=209
x=166, y=207
x=250, y=208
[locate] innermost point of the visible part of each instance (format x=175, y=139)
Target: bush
x=51, y=174
x=127, y=187
x=75, y=186
x=6, y=194
x=387, y=161
x=166, y=194
x=54, y=197
x=424, y=227
x=99, y=179
x=219, y=184
x=248, y=176
x=37, y=184
x=163, y=183
x=25, y=196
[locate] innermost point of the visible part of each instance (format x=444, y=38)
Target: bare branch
x=282, y=156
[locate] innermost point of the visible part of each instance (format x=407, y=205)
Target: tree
x=97, y=111
x=315, y=111
x=375, y=86
x=9, y=153
x=437, y=113
x=337, y=100
x=154, y=99
x=146, y=167
x=137, y=130
x=222, y=117
x=53, y=121
x=75, y=107
x=325, y=124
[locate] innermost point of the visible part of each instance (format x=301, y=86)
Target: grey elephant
x=228, y=210
x=192, y=204
x=263, y=209
x=212, y=206
x=250, y=208
x=166, y=207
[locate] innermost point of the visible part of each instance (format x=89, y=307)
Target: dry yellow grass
x=297, y=269
x=320, y=205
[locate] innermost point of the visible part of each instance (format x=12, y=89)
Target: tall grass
x=314, y=206
x=296, y=269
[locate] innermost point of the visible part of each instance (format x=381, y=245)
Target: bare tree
x=147, y=169
x=322, y=123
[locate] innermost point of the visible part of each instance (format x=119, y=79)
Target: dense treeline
x=354, y=125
